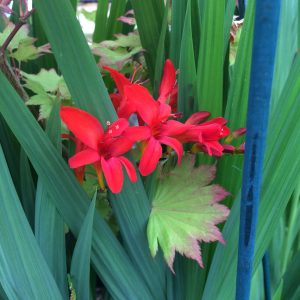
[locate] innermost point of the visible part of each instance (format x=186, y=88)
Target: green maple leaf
x=46, y=103
x=185, y=211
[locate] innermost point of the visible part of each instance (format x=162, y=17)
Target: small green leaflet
x=22, y=46
x=185, y=211
x=48, y=87
x=118, y=52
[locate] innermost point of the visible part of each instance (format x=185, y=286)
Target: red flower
x=157, y=130
x=206, y=134
x=102, y=149
x=167, y=91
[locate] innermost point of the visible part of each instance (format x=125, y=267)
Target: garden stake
x=264, y=45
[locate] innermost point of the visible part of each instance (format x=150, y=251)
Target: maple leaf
x=185, y=211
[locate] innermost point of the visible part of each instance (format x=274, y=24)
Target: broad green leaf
x=291, y=278
x=161, y=49
x=281, y=167
x=24, y=273
x=149, y=15
x=80, y=264
x=177, y=23
x=116, y=10
x=210, y=60
x=89, y=93
x=187, y=67
x=131, y=40
x=27, y=188
x=101, y=21
x=25, y=53
x=184, y=214
x=49, y=225
x=109, y=259
x=278, y=293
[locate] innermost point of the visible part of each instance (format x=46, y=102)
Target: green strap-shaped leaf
x=100, y=31
x=49, y=225
x=88, y=91
x=109, y=259
x=27, y=188
x=210, y=60
x=160, y=55
x=149, y=16
x=187, y=67
x=24, y=273
x=80, y=264
x=282, y=166
x=178, y=17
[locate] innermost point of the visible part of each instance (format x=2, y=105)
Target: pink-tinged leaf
x=127, y=20
x=145, y=105
x=168, y=81
x=197, y=118
x=150, y=157
x=84, y=158
x=119, y=79
x=113, y=173
x=129, y=168
x=174, y=144
x=185, y=212
x=83, y=125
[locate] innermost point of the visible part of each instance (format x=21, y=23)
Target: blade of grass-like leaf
x=49, y=225
x=100, y=31
x=236, y=108
x=114, y=26
x=178, y=16
x=187, y=67
x=24, y=273
x=291, y=278
x=149, y=16
x=282, y=165
x=27, y=188
x=109, y=259
x=11, y=149
x=210, y=60
x=74, y=58
x=80, y=264
x=286, y=46
x=160, y=55
x=229, y=12
x=89, y=93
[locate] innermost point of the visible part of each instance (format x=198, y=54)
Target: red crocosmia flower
x=168, y=82
x=157, y=130
x=102, y=149
x=206, y=135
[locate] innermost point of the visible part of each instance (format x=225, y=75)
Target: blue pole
x=263, y=56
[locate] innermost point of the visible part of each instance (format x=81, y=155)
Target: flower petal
x=150, y=157
x=145, y=105
x=84, y=126
x=138, y=133
x=129, y=168
x=173, y=143
x=197, y=118
x=119, y=79
x=164, y=112
x=168, y=81
x=83, y=158
x=117, y=127
x=113, y=173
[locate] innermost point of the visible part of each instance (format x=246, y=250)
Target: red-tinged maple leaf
x=185, y=212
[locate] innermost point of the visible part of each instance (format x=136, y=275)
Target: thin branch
x=17, y=27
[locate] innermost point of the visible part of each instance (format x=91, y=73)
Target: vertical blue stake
x=263, y=56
